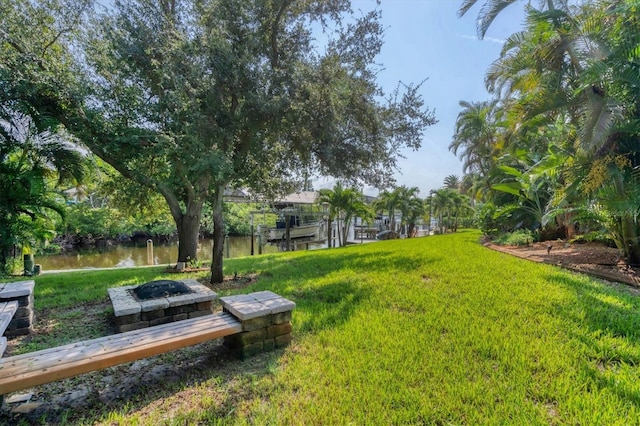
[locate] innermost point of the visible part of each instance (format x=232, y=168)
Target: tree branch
x=274, y=32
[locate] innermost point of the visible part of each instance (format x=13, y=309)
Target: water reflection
x=128, y=256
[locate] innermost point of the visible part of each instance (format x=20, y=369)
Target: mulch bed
x=594, y=259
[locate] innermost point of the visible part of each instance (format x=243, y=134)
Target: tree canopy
x=189, y=98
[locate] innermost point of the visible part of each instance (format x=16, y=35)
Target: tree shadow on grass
x=177, y=375
x=307, y=266
x=610, y=318
x=331, y=303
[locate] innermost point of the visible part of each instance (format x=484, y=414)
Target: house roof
x=302, y=197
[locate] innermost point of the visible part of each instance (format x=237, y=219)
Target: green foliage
x=83, y=220
x=449, y=206
x=32, y=164
x=105, y=222
x=489, y=221
x=560, y=136
x=13, y=266
x=520, y=237
x=237, y=218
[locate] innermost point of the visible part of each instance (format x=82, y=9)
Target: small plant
x=14, y=266
x=193, y=263
x=521, y=237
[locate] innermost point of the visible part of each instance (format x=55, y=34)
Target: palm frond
x=490, y=10
x=598, y=120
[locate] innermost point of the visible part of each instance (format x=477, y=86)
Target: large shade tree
x=189, y=98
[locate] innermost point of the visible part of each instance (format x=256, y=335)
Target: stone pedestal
x=266, y=322
x=22, y=291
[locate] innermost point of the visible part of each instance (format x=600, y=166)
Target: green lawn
x=433, y=330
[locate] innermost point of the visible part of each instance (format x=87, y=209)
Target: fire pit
x=160, y=288
x=159, y=302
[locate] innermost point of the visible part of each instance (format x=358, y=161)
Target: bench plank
x=7, y=311
x=140, y=335
x=114, y=343
x=36, y=368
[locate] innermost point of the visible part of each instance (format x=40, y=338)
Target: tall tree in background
x=389, y=201
x=452, y=182
x=190, y=97
x=476, y=136
x=410, y=206
x=442, y=202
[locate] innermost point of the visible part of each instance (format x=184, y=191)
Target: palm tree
x=410, y=206
x=460, y=207
x=452, y=182
x=492, y=8
x=389, y=201
x=344, y=205
x=415, y=210
x=32, y=164
x=476, y=136
x=442, y=204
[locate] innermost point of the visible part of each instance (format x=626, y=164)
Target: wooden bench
x=250, y=323
x=7, y=311
x=36, y=368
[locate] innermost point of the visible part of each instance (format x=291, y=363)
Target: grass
x=436, y=330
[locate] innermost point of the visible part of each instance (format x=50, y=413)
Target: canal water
x=128, y=256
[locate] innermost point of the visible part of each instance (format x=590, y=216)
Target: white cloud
x=489, y=39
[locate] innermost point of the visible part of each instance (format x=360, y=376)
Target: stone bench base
x=24, y=317
x=266, y=322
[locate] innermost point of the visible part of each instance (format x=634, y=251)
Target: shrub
x=489, y=222
x=521, y=237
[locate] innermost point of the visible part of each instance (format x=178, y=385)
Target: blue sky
x=425, y=39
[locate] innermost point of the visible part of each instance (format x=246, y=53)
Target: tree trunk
x=188, y=225
x=187, y=222
x=218, y=236
x=4, y=256
x=631, y=247
x=569, y=224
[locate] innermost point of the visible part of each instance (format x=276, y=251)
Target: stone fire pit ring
x=132, y=314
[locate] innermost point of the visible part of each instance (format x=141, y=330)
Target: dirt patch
x=595, y=259
x=232, y=283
